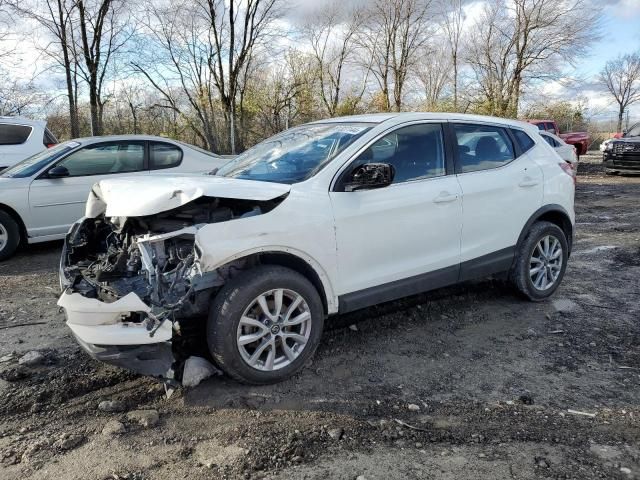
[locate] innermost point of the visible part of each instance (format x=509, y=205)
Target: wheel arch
x=18, y=219
x=297, y=261
x=555, y=214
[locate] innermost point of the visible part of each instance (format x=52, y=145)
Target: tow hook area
x=104, y=332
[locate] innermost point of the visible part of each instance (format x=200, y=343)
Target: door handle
x=528, y=182
x=445, y=197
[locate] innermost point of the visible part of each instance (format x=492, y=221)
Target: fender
x=329, y=293
x=550, y=212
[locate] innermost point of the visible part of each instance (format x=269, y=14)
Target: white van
x=21, y=138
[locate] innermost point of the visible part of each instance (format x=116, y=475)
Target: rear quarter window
x=164, y=155
x=14, y=134
x=524, y=141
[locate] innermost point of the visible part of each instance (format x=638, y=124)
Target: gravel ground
x=467, y=382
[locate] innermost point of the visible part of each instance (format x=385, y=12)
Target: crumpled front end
x=132, y=286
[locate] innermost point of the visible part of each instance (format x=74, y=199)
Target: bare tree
x=522, y=40
x=392, y=37
x=237, y=29
x=622, y=78
x=208, y=45
x=101, y=36
x=453, y=14
x=178, y=65
x=56, y=17
x=434, y=73
x=332, y=35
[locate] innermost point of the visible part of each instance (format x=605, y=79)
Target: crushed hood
x=142, y=196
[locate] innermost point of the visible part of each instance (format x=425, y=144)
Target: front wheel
x=265, y=324
x=541, y=261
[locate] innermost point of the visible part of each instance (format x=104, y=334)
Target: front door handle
x=528, y=182
x=445, y=197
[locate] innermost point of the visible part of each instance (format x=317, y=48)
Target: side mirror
x=58, y=172
x=369, y=176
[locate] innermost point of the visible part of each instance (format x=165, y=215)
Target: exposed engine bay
x=156, y=258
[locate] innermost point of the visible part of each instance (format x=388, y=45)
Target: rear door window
x=549, y=127
x=164, y=155
x=482, y=147
x=105, y=158
x=14, y=134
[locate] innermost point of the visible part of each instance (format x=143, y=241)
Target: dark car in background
x=622, y=155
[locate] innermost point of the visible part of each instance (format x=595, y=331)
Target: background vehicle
x=580, y=140
x=623, y=154
x=565, y=151
x=20, y=138
x=328, y=217
x=43, y=195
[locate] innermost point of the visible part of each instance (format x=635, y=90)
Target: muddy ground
x=491, y=380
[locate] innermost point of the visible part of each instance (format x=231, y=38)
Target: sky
x=621, y=35
x=620, y=22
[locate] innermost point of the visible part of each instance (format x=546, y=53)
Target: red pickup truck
x=580, y=140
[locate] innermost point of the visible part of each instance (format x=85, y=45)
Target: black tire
x=9, y=226
x=231, y=302
x=520, y=274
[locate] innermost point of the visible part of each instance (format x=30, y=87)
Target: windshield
x=35, y=163
x=634, y=131
x=294, y=155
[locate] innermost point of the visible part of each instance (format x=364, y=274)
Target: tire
x=9, y=235
x=239, y=299
x=524, y=263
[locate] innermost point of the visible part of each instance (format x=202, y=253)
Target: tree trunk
x=94, y=106
x=73, y=112
x=620, y=118
x=455, y=82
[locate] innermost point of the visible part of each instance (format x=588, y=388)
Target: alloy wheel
x=274, y=329
x=546, y=262
x=4, y=237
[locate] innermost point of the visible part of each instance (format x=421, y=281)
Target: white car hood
x=141, y=196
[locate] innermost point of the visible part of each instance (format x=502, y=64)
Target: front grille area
x=624, y=155
x=625, y=148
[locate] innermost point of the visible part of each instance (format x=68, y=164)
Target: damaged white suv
x=325, y=218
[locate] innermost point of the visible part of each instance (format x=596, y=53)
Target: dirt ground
x=492, y=381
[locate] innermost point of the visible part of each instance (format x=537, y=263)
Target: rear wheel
x=541, y=261
x=265, y=324
x=9, y=235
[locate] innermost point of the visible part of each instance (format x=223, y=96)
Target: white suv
x=21, y=138
x=322, y=219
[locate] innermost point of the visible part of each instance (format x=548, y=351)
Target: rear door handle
x=445, y=197
x=528, y=182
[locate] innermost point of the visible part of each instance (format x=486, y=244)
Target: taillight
x=568, y=169
x=49, y=145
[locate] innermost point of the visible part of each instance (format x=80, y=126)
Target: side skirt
x=491, y=264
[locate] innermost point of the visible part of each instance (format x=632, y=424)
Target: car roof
x=549, y=134
x=22, y=121
x=116, y=138
x=397, y=118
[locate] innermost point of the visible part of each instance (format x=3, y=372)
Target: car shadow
x=418, y=349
